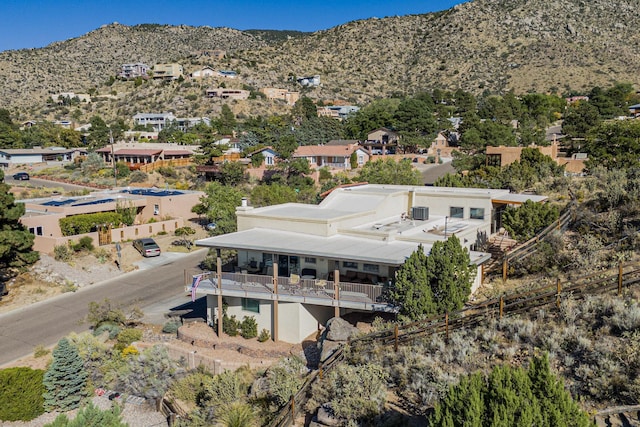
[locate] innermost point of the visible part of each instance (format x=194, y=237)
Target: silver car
x=147, y=247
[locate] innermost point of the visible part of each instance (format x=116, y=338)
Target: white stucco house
x=298, y=265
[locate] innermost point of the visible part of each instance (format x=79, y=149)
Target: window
x=371, y=268
x=269, y=160
x=456, y=212
x=309, y=260
x=250, y=304
x=476, y=213
x=349, y=264
x=156, y=209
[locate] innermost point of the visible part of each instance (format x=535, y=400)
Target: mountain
x=480, y=46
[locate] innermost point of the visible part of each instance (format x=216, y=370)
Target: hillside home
x=144, y=153
x=157, y=121
x=381, y=141
x=227, y=93
x=503, y=156
x=166, y=209
x=168, y=71
x=132, y=71
x=203, y=73
x=332, y=156
x=634, y=111
x=311, y=81
x=299, y=265
x=282, y=94
x=139, y=135
x=339, y=112
x=269, y=155
x=28, y=156
x=229, y=74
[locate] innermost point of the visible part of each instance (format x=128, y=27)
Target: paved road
x=37, y=182
x=44, y=323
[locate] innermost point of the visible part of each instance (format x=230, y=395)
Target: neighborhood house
x=299, y=265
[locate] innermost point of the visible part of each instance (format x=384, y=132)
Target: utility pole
x=113, y=160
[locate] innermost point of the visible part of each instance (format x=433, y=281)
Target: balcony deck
x=306, y=291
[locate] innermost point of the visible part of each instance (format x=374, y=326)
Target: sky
x=37, y=23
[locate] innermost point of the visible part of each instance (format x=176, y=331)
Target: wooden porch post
x=219, y=276
x=336, y=291
x=274, y=315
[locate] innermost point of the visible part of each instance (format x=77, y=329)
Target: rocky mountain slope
x=483, y=45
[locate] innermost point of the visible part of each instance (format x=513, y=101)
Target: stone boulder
x=326, y=416
x=339, y=329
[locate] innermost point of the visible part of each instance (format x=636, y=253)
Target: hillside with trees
x=483, y=46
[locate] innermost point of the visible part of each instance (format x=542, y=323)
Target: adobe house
x=157, y=211
x=298, y=265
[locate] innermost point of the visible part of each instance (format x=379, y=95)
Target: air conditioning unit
x=420, y=213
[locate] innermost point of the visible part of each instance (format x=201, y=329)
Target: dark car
x=147, y=247
x=21, y=176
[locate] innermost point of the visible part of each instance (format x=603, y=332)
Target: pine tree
x=66, y=378
x=91, y=416
x=510, y=397
x=412, y=291
x=15, y=240
x=435, y=283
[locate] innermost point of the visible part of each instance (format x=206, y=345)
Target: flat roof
x=335, y=247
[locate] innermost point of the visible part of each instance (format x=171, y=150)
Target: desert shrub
x=238, y=414
x=126, y=337
x=130, y=350
x=40, y=351
x=111, y=328
x=283, y=380
x=249, y=327
x=264, y=336
x=430, y=384
x=353, y=392
x=171, y=327
x=84, y=244
x=191, y=387
x=138, y=176
x=62, y=253
x=102, y=254
x=21, y=392
x=148, y=375
x=230, y=325
x=625, y=317
x=105, y=312
x=226, y=388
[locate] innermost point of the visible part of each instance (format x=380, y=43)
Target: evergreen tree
x=66, y=378
x=525, y=221
x=91, y=416
x=16, y=241
x=510, y=397
x=435, y=283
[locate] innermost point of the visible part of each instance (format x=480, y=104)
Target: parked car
x=147, y=247
x=21, y=176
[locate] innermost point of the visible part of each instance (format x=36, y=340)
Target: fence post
x=619, y=279
x=320, y=372
x=293, y=408
x=558, y=291
x=504, y=269
x=395, y=338
x=446, y=325
x=501, y=305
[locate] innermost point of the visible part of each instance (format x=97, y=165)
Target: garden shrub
x=113, y=330
x=171, y=327
x=249, y=327
x=62, y=253
x=264, y=336
x=85, y=243
x=126, y=337
x=138, y=176
x=21, y=392
x=230, y=325
x=191, y=387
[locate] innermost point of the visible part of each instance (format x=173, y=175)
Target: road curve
x=45, y=322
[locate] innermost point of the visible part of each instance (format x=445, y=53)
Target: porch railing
x=319, y=288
